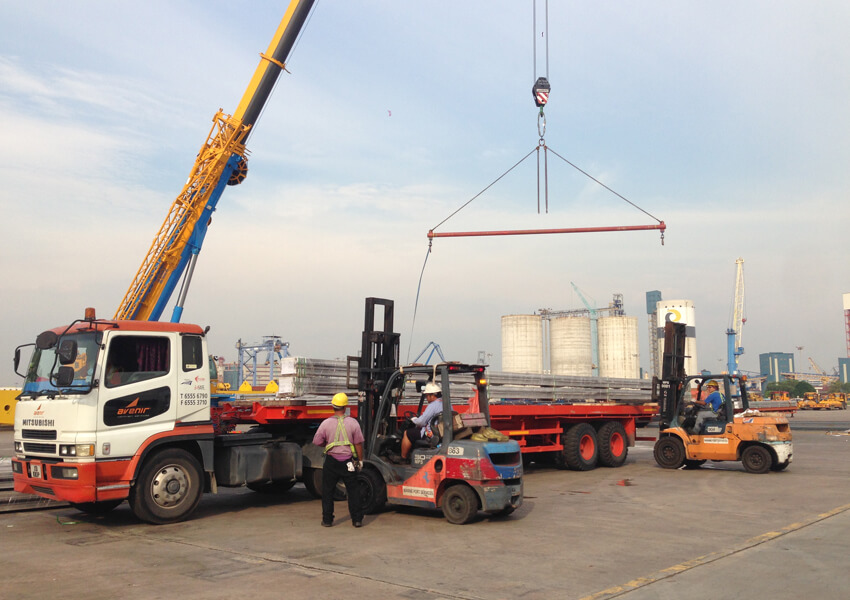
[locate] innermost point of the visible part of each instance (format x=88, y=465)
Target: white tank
x=522, y=344
x=618, y=347
x=679, y=311
x=569, y=346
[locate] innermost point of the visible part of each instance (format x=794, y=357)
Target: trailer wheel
x=96, y=508
x=669, y=452
x=168, y=488
x=312, y=478
x=271, y=487
x=460, y=504
x=756, y=459
x=373, y=490
x=613, y=444
x=581, y=448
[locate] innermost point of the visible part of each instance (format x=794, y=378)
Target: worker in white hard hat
x=422, y=428
x=342, y=440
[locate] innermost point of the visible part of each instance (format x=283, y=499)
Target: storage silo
x=570, y=346
x=679, y=311
x=522, y=344
x=618, y=347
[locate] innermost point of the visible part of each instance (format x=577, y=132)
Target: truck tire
x=756, y=459
x=613, y=444
x=312, y=478
x=460, y=504
x=669, y=452
x=373, y=490
x=168, y=487
x=581, y=448
x=96, y=508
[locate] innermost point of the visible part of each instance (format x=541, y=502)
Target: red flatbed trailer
x=578, y=436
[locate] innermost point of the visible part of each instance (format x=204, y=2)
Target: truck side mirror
x=64, y=376
x=67, y=352
x=46, y=340
x=17, y=360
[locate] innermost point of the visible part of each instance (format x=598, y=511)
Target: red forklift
x=463, y=468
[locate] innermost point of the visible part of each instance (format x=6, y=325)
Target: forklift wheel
x=669, y=452
x=372, y=489
x=756, y=459
x=460, y=504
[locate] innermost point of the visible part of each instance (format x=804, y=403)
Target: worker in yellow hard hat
x=342, y=440
x=709, y=406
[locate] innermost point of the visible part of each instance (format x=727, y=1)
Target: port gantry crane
x=221, y=161
x=734, y=349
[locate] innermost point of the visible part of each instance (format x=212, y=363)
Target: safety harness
x=340, y=430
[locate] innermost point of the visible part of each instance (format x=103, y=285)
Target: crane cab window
x=136, y=358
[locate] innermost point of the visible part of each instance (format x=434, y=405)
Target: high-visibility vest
x=340, y=430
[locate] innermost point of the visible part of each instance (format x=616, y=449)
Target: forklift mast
x=668, y=389
x=379, y=359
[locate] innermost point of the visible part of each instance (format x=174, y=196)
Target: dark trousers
x=332, y=471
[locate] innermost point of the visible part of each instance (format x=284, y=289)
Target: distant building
x=844, y=370
x=773, y=364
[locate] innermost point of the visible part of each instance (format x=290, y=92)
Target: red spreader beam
x=660, y=226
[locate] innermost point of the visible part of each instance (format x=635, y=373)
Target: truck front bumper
x=70, y=482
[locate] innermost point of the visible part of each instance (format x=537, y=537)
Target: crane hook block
x=541, y=91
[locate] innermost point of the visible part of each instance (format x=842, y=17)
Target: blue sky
x=727, y=120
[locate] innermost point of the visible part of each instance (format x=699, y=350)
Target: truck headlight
x=76, y=450
x=19, y=446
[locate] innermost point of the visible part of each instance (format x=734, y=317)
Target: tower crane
x=221, y=161
x=594, y=338
x=734, y=347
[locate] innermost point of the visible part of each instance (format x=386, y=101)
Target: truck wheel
x=312, y=478
x=613, y=444
x=669, y=452
x=460, y=504
x=96, y=508
x=581, y=449
x=271, y=487
x=373, y=490
x=168, y=488
x=756, y=459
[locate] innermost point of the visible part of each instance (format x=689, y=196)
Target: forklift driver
x=709, y=406
x=422, y=429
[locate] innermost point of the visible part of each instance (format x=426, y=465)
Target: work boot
x=357, y=523
x=326, y=524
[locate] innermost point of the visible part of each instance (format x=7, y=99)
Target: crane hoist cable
x=540, y=92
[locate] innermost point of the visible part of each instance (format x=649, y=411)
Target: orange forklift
x=760, y=441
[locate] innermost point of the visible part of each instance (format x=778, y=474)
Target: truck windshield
x=44, y=363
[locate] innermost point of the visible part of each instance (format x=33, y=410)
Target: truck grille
x=38, y=434
x=40, y=448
